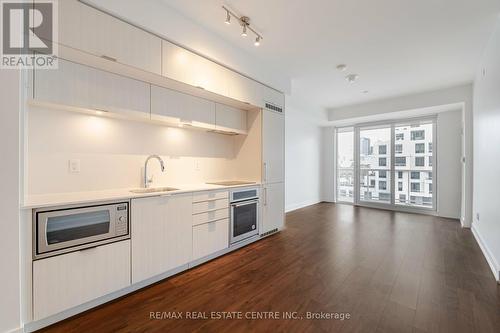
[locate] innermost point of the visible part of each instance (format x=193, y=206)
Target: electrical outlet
x=74, y=166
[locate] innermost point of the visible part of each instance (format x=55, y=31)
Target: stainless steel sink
x=154, y=190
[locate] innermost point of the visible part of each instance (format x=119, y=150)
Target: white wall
x=302, y=159
x=9, y=200
x=419, y=104
x=328, y=164
x=112, y=153
x=486, y=224
x=449, y=166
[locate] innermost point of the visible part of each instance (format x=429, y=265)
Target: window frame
x=394, y=174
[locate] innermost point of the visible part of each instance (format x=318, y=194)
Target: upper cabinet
x=85, y=28
x=188, y=67
x=229, y=119
x=85, y=87
x=185, y=66
x=177, y=108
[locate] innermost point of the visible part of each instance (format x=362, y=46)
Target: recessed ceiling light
x=352, y=77
x=341, y=67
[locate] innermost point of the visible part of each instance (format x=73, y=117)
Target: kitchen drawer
x=207, y=206
x=211, y=216
x=210, y=196
x=68, y=280
x=209, y=238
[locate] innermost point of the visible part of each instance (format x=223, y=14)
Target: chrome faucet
x=148, y=181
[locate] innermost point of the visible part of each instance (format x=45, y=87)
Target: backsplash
x=111, y=153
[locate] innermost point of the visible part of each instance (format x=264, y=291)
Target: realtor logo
x=29, y=34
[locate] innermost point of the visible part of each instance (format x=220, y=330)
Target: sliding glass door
x=387, y=164
x=414, y=164
x=375, y=164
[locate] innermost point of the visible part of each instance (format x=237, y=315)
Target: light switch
x=74, y=166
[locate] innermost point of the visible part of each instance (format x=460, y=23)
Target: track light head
x=244, y=32
x=228, y=17
x=257, y=41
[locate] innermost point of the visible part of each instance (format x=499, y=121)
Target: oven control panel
x=121, y=220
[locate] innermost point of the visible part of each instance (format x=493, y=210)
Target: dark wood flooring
x=392, y=272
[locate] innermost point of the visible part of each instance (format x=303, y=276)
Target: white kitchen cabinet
x=185, y=66
x=92, y=31
x=230, y=119
x=68, y=280
x=89, y=88
x=273, y=207
x=161, y=234
x=209, y=206
x=273, y=146
x=210, y=237
x=174, y=107
x=243, y=89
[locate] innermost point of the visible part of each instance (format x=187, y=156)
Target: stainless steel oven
x=65, y=229
x=245, y=209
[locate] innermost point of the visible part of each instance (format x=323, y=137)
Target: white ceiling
x=396, y=46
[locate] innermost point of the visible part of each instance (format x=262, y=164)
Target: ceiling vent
x=273, y=107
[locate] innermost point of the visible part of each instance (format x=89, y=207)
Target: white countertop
x=73, y=198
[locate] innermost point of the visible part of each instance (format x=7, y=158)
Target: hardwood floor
x=392, y=272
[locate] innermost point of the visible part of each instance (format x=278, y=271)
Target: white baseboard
x=16, y=330
x=495, y=268
x=302, y=204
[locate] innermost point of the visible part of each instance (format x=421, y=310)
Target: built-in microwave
x=64, y=229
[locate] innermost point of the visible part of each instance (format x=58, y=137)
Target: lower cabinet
x=68, y=280
x=273, y=207
x=161, y=234
x=210, y=237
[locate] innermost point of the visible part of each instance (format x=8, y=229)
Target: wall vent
x=269, y=232
x=273, y=107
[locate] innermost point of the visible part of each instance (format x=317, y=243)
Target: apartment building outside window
x=418, y=135
x=373, y=178
x=419, y=148
x=420, y=161
x=400, y=161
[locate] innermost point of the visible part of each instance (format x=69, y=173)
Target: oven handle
x=244, y=203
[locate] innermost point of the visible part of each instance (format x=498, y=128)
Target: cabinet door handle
x=265, y=171
x=109, y=58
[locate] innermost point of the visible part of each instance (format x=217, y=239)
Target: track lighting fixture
x=245, y=25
